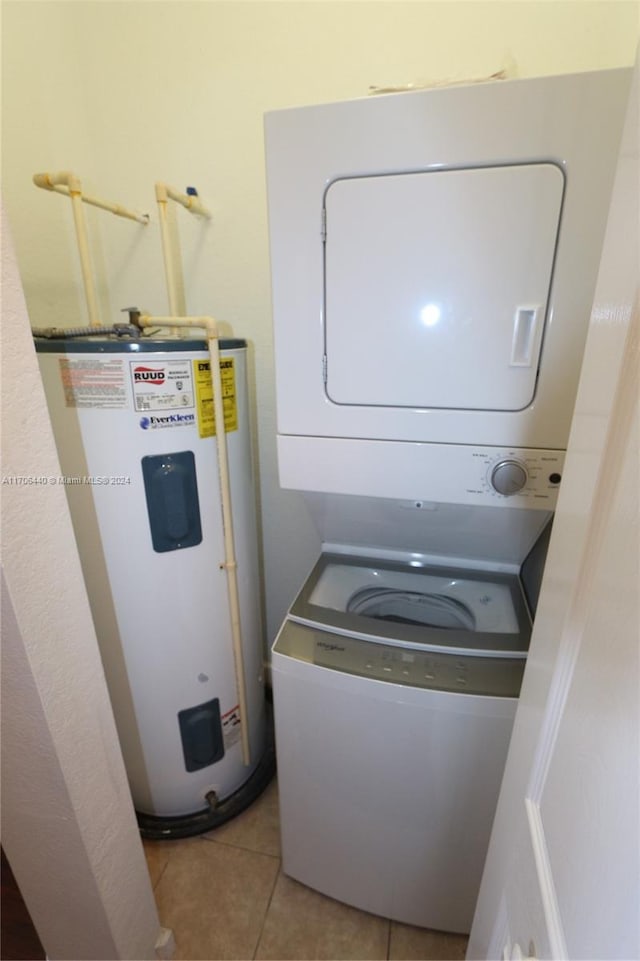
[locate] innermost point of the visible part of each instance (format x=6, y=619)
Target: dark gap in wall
x=18, y=938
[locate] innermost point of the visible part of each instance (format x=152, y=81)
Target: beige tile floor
x=224, y=896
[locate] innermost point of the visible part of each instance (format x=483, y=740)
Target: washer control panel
x=463, y=674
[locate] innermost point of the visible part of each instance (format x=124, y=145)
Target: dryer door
x=436, y=286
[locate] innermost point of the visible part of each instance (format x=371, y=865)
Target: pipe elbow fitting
x=64, y=178
x=43, y=181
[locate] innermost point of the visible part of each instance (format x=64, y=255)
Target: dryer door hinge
x=324, y=368
x=323, y=225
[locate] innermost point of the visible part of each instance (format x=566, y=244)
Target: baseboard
x=165, y=944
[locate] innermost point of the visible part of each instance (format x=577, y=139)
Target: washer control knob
x=508, y=477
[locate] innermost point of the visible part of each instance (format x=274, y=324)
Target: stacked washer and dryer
x=434, y=256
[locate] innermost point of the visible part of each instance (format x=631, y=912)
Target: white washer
x=393, y=736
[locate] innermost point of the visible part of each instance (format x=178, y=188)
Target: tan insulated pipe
x=192, y=203
x=230, y=564
x=68, y=183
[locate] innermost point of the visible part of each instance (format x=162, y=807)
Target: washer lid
x=436, y=285
x=426, y=607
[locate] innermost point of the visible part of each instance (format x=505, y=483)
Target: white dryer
x=434, y=256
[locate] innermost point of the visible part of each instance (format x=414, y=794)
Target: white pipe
x=51, y=182
x=230, y=563
x=67, y=183
x=85, y=260
x=192, y=203
x=163, y=215
x=71, y=182
x=113, y=208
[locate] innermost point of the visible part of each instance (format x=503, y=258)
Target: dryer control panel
x=524, y=475
x=422, y=474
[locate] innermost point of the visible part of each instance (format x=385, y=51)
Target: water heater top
x=116, y=345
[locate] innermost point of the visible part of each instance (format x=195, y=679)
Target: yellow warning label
x=204, y=396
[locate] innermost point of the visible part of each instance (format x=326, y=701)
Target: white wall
x=125, y=94
x=68, y=825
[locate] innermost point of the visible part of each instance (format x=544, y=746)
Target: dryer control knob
x=508, y=477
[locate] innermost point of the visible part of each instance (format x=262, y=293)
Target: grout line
x=268, y=908
x=241, y=847
x=160, y=875
x=389, y=941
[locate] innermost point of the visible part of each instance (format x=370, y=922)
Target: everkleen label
x=204, y=395
x=153, y=421
x=161, y=385
x=93, y=382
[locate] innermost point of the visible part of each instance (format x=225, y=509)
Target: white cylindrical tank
x=134, y=425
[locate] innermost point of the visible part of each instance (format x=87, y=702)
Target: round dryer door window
x=412, y=607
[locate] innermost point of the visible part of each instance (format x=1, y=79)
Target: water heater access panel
x=434, y=257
